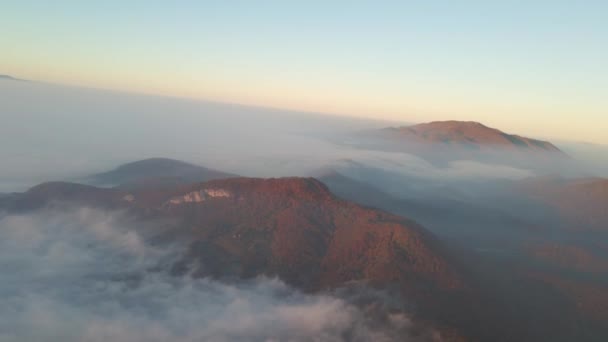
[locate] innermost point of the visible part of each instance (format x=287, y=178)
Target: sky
x=531, y=67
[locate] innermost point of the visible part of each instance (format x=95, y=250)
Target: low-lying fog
x=52, y=132
x=56, y=132
x=89, y=275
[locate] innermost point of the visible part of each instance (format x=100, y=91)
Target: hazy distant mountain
x=559, y=267
x=9, y=78
x=157, y=172
x=574, y=259
x=467, y=134
x=444, y=214
x=582, y=203
x=443, y=142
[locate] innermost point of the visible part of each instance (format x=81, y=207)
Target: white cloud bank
x=86, y=275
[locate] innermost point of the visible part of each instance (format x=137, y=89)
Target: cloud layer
x=88, y=275
x=67, y=133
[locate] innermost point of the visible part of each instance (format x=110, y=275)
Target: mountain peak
x=454, y=124
x=157, y=162
x=469, y=134
x=159, y=171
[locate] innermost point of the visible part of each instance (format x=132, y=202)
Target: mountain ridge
x=301, y=231
x=293, y=228
x=10, y=78
x=156, y=172
x=468, y=134
x=581, y=202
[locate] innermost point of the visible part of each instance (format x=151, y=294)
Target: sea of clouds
x=52, y=132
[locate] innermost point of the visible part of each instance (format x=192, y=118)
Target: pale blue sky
x=532, y=67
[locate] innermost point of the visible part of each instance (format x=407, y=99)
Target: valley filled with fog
x=90, y=275
x=100, y=268
x=53, y=132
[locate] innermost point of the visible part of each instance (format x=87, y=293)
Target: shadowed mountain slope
x=296, y=229
x=156, y=171
x=582, y=203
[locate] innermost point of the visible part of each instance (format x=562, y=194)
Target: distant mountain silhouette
x=156, y=172
x=10, y=78
x=442, y=142
x=468, y=134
